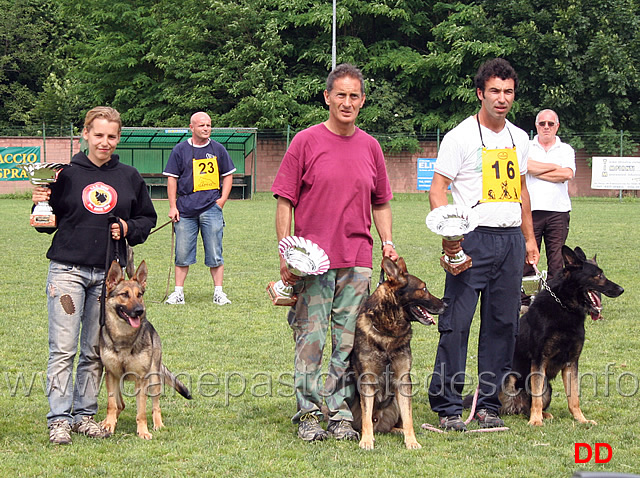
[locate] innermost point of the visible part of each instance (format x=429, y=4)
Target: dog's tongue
x=596, y=306
x=134, y=322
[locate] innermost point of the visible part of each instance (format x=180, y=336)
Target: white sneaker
x=175, y=298
x=221, y=298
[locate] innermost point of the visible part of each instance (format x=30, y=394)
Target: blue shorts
x=210, y=224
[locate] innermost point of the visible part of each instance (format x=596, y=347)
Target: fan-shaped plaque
x=452, y=221
x=303, y=257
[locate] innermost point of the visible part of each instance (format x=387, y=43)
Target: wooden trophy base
x=43, y=220
x=278, y=299
x=455, y=269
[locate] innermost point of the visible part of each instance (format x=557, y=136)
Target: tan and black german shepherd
x=130, y=349
x=381, y=357
x=550, y=338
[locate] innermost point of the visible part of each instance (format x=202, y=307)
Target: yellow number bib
x=205, y=174
x=500, y=175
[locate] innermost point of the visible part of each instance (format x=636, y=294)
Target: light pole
x=333, y=43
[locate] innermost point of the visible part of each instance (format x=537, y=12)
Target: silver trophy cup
x=303, y=258
x=452, y=222
x=42, y=174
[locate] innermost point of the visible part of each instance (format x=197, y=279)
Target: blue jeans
x=210, y=224
x=73, y=305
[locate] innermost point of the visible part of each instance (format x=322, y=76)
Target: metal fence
x=612, y=143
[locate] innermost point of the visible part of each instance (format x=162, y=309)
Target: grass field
x=238, y=360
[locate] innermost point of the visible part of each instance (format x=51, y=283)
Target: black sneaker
x=309, y=428
x=453, y=422
x=342, y=430
x=488, y=419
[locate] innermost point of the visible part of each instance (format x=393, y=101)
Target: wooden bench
x=157, y=184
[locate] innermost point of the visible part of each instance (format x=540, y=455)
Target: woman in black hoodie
x=87, y=194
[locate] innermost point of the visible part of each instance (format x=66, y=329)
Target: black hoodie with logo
x=83, y=199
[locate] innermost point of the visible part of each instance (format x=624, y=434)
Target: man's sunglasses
x=551, y=124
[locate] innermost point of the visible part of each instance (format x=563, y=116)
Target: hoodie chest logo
x=99, y=198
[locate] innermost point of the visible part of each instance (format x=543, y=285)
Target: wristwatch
x=390, y=243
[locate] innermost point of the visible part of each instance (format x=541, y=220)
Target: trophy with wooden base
x=452, y=222
x=303, y=258
x=42, y=174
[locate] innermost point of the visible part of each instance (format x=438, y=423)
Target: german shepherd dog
x=130, y=349
x=381, y=357
x=551, y=336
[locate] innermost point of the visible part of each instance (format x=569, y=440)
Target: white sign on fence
x=615, y=173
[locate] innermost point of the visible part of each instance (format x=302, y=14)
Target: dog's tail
x=170, y=379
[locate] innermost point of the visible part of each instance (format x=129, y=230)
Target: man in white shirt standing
x=551, y=165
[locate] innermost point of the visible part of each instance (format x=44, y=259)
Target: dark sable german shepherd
x=551, y=336
x=381, y=357
x=130, y=350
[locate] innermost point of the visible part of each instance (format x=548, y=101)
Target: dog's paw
x=547, y=416
x=366, y=444
x=412, y=445
x=589, y=422
x=108, y=425
x=535, y=422
x=145, y=435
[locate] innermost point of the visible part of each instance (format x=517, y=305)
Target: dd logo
x=590, y=452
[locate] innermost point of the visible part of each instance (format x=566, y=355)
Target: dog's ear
x=114, y=276
x=393, y=271
x=570, y=257
x=402, y=265
x=141, y=275
x=580, y=253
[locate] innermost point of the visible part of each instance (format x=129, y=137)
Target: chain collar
x=546, y=287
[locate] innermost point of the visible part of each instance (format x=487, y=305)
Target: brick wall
x=402, y=167
x=58, y=150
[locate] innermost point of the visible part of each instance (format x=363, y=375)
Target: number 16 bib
x=500, y=175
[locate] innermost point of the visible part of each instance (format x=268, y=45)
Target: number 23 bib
x=500, y=175
x=205, y=174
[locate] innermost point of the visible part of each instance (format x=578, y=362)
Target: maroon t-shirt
x=332, y=181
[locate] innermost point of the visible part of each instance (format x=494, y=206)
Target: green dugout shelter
x=148, y=150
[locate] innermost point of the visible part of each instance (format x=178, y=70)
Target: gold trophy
x=42, y=174
x=303, y=258
x=452, y=222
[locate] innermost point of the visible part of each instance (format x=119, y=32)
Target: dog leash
x=173, y=242
x=546, y=287
x=431, y=428
x=113, y=253
x=381, y=280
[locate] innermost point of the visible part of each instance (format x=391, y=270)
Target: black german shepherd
x=551, y=336
x=381, y=357
x=130, y=349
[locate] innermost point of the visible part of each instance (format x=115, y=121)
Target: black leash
x=114, y=252
x=173, y=242
x=381, y=277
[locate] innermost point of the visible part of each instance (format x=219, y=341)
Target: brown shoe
x=89, y=427
x=309, y=428
x=60, y=432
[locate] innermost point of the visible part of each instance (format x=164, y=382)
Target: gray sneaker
x=89, y=427
x=309, y=428
x=342, y=430
x=453, y=422
x=488, y=419
x=60, y=432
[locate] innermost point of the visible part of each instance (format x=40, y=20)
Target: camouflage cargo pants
x=332, y=299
